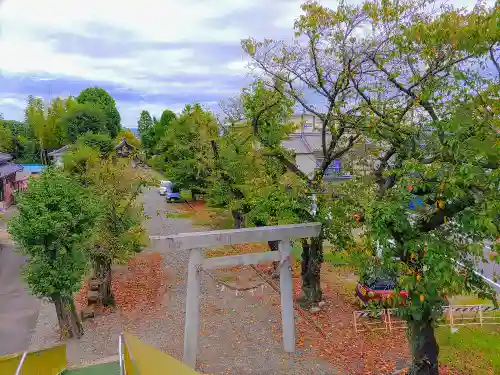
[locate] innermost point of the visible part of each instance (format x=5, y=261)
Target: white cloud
x=151, y=20
x=26, y=49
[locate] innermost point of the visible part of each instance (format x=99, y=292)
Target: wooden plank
x=192, y=321
x=217, y=238
x=240, y=260
x=286, y=294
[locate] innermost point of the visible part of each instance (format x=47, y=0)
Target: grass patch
x=472, y=350
x=101, y=369
x=468, y=300
x=335, y=258
x=178, y=215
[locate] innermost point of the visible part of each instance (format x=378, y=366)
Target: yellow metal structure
x=51, y=361
x=143, y=359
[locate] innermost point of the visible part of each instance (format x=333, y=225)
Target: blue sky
x=149, y=54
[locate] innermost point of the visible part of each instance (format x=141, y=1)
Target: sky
x=148, y=54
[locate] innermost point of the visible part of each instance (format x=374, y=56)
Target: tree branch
x=495, y=62
x=439, y=216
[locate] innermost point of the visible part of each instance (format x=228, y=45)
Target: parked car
x=172, y=192
x=163, y=187
x=377, y=290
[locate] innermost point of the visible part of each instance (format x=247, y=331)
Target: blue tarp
x=33, y=168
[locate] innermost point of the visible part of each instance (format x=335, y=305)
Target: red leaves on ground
x=358, y=353
x=139, y=286
x=142, y=285
x=81, y=296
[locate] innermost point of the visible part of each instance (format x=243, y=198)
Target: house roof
x=297, y=145
x=5, y=157
x=9, y=169
x=124, y=143
x=59, y=151
x=304, y=143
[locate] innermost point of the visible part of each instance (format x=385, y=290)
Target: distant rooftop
x=5, y=157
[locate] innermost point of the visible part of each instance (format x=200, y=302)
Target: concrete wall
x=306, y=163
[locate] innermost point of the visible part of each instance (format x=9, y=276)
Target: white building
x=306, y=142
x=56, y=156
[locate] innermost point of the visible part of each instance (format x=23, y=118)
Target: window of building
x=335, y=166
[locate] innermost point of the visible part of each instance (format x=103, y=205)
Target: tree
x=45, y=125
x=430, y=107
x=105, y=102
x=185, y=149
x=145, y=125
x=52, y=229
x=79, y=161
x=235, y=165
x=6, y=139
x=313, y=72
x=119, y=233
x=167, y=116
x=153, y=130
x=84, y=118
x=24, y=146
x=101, y=142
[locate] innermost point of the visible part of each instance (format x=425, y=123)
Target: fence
x=458, y=315
x=51, y=361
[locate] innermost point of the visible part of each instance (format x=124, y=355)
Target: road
x=490, y=269
x=18, y=309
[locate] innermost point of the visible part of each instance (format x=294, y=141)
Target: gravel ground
x=239, y=334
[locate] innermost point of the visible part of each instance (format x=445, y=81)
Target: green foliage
x=119, y=232
x=6, y=138
x=45, y=125
x=52, y=229
x=79, y=161
x=153, y=131
x=166, y=118
x=422, y=75
x=185, y=149
x=84, y=118
x=234, y=163
x=102, y=100
x=144, y=123
x=100, y=141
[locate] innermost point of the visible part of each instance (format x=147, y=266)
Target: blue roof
x=33, y=168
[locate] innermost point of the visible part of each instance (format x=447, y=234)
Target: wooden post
x=286, y=288
x=192, y=323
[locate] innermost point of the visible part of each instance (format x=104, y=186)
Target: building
x=306, y=143
x=8, y=183
x=124, y=149
x=56, y=156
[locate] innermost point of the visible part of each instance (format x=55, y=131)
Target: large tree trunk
x=69, y=323
x=102, y=272
x=238, y=219
x=425, y=349
x=312, y=258
x=273, y=246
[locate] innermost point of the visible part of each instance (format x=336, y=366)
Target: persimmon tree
x=55, y=221
x=426, y=83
